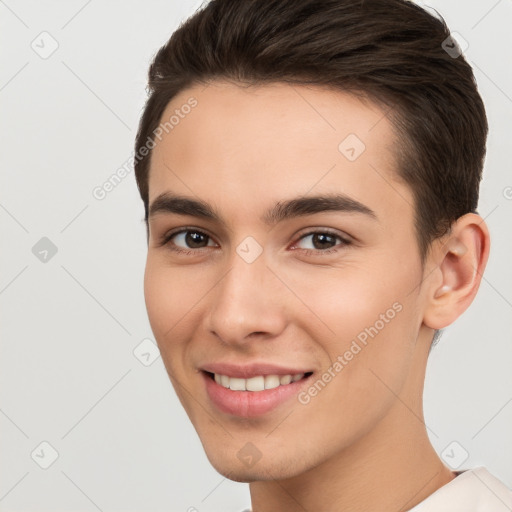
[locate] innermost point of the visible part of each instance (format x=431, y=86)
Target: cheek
x=367, y=359
x=158, y=297
x=345, y=300
x=170, y=299
x=366, y=317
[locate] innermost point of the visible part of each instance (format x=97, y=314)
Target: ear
x=460, y=259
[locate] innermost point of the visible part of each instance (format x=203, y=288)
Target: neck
x=392, y=467
x=395, y=472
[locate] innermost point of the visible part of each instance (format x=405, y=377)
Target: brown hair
x=391, y=51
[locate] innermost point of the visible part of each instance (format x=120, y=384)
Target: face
x=283, y=319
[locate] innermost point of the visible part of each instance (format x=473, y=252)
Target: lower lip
x=248, y=404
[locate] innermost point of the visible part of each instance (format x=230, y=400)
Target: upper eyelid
x=169, y=234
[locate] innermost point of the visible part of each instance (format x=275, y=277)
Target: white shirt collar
x=473, y=490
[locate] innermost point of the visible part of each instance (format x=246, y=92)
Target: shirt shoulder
x=473, y=490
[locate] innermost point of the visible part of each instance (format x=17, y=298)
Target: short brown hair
x=391, y=51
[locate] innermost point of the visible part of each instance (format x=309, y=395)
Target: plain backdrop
x=83, y=391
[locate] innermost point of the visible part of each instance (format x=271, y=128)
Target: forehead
x=247, y=143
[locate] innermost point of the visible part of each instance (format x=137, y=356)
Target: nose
x=247, y=301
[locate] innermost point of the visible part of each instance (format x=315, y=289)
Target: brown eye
x=321, y=241
x=187, y=240
x=195, y=239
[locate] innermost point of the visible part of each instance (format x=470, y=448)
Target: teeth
x=285, y=379
x=254, y=383
x=237, y=384
x=271, y=381
x=258, y=383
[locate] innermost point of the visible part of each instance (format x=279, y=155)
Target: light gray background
x=70, y=325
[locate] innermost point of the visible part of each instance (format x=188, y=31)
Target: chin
x=262, y=470
x=248, y=475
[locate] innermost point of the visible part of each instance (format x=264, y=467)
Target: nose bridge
x=244, y=301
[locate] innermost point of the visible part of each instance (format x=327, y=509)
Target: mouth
x=253, y=396
x=257, y=383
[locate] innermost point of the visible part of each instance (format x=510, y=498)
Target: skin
x=361, y=443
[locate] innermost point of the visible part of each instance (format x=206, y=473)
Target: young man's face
x=301, y=293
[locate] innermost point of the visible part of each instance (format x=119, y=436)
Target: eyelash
x=166, y=239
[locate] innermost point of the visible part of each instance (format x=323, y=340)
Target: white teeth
x=271, y=381
x=258, y=383
x=237, y=384
x=255, y=384
x=285, y=379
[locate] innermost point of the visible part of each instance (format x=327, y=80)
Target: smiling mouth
x=256, y=383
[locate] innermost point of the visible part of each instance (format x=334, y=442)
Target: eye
x=187, y=240
x=190, y=240
x=321, y=242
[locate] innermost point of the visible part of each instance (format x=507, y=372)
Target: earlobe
x=461, y=262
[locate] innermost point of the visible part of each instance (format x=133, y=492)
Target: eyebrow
x=170, y=203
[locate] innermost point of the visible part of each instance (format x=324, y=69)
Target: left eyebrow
x=168, y=202
x=301, y=206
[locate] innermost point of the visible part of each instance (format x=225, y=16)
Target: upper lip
x=250, y=370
